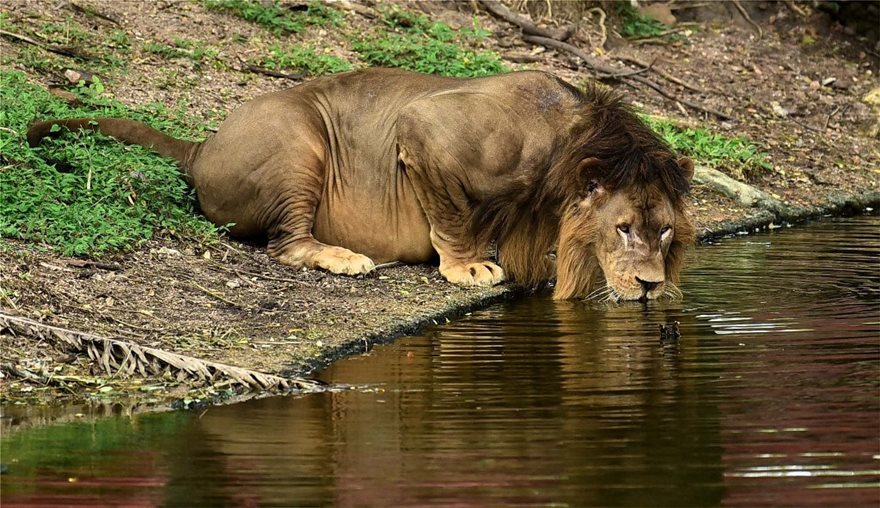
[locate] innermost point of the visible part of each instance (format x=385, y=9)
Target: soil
x=795, y=92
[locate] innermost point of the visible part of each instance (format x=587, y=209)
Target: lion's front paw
x=484, y=273
x=343, y=261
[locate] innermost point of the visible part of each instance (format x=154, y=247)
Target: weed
x=278, y=18
x=99, y=195
x=737, y=154
x=419, y=45
x=635, y=26
x=303, y=59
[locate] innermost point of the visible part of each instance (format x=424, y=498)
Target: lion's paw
x=343, y=261
x=484, y=273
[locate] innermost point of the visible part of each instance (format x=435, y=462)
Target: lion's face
x=634, y=232
x=622, y=245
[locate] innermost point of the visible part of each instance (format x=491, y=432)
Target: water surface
x=770, y=398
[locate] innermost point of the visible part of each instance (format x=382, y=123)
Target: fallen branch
x=116, y=356
x=60, y=50
x=528, y=27
x=610, y=72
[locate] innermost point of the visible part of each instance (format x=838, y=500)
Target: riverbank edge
x=835, y=205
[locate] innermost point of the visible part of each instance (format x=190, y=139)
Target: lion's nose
x=648, y=285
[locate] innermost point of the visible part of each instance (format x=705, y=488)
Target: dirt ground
x=796, y=92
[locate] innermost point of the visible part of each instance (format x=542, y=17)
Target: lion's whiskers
x=612, y=296
x=597, y=293
x=672, y=291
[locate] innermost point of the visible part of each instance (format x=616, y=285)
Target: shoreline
x=22, y=416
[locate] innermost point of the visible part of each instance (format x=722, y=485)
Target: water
x=770, y=398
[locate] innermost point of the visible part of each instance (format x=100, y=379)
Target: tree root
x=116, y=356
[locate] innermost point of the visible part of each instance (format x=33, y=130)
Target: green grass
x=96, y=195
x=417, y=44
x=194, y=51
x=736, y=154
x=279, y=18
x=409, y=41
x=303, y=59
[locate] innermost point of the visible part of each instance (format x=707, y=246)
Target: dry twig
x=275, y=74
x=748, y=18
x=79, y=263
x=90, y=11
x=663, y=74
x=601, y=14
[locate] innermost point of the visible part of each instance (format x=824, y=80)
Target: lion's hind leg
x=293, y=190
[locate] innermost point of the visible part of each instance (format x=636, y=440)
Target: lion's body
x=380, y=165
x=356, y=125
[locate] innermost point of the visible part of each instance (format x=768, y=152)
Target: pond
x=770, y=397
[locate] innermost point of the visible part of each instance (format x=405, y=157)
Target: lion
x=518, y=176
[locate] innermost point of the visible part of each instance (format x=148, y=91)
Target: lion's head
x=610, y=206
x=623, y=243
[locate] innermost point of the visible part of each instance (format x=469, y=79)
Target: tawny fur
x=378, y=165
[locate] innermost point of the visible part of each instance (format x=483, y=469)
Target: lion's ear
x=588, y=175
x=687, y=167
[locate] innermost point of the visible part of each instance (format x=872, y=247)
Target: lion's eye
x=664, y=230
x=623, y=228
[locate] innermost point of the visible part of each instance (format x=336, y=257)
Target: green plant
x=277, y=17
x=635, y=26
x=303, y=59
x=419, y=45
x=96, y=195
x=737, y=154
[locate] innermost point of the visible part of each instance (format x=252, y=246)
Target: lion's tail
x=127, y=131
